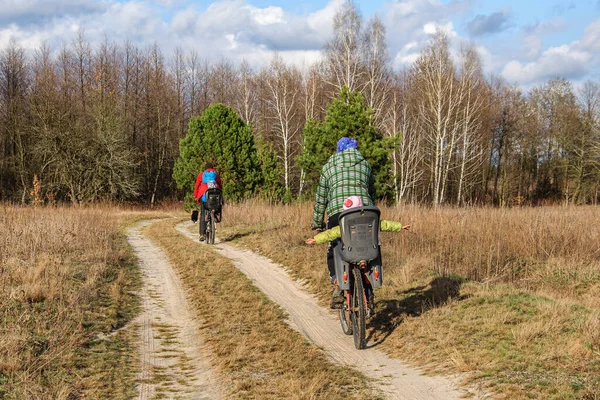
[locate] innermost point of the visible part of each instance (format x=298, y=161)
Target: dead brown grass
x=507, y=295
x=256, y=354
x=66, y=282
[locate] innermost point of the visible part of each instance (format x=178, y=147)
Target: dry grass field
x=507, y=296
x=66, y=287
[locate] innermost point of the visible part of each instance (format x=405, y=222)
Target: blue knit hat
x=346, y=143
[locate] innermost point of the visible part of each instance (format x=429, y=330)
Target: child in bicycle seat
x=335, y=233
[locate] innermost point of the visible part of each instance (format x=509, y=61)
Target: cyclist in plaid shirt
x=345, y=174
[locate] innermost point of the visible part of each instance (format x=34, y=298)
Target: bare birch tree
x=375, y=55
x=437, y=110
x=343, y=51
x=191, y=82
x=311, y=82
x=586, y=149
x=401, y=123
x=469, y=120
x=247, y=94
x=284, y=101
x=179, y=72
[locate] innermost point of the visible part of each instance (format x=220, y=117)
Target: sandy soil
x=173, y=361
x=390, y=376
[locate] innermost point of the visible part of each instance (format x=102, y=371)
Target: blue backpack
x=210, y=178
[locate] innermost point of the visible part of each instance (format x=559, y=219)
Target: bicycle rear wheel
x=358, y=311
x=210, y=228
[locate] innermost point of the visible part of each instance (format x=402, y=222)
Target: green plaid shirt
x=345, y=174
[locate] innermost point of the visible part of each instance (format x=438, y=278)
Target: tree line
x=105, y=122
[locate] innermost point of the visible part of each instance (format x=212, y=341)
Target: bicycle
x=358, y=269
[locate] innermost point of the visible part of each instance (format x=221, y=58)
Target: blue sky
x=525, y=41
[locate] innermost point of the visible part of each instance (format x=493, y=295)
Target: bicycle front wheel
x=358, y=311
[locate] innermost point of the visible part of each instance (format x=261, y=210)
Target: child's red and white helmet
x=352, y=201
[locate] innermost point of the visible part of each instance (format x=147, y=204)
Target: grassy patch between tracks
x=255, y=353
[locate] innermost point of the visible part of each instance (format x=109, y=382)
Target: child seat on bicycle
x=213, y=198
x=359, y=229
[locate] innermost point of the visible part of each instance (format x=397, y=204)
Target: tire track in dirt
x=173, y=363
x=393, y=378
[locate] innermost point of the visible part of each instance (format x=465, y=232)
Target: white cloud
x=233, y=29
x=413, y=22
x=183, y=21
x=236, y=29
x=561, y=61
x=543, y=28
x=232, y=42
x=532, y=45
x=532, y=42
x=321, y=20
x=431, y=28
x=268, y=16
x=591, y=37
x=572, y=61
x=407, y=55
x=490, y=62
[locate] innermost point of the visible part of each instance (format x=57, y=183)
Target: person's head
x=346, y=143
x=352, y=202
x=209, y=165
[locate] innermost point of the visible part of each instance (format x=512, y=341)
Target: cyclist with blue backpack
x=207, y=179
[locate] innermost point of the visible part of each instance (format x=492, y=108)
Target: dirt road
x=173, y=361
x=394, y=379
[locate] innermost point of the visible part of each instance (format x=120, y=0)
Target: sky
x=526, y=42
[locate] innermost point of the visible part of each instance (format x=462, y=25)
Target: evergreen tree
x=317, y=148
x=348, y=116
x=221, y=137
x=272, y=188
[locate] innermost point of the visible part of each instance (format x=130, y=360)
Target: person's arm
x=320, y=200
x=328, y=235
x=392, y=226
x=197, y=194
x=219, y=181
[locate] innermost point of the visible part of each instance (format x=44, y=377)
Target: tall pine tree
x=221, y=137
